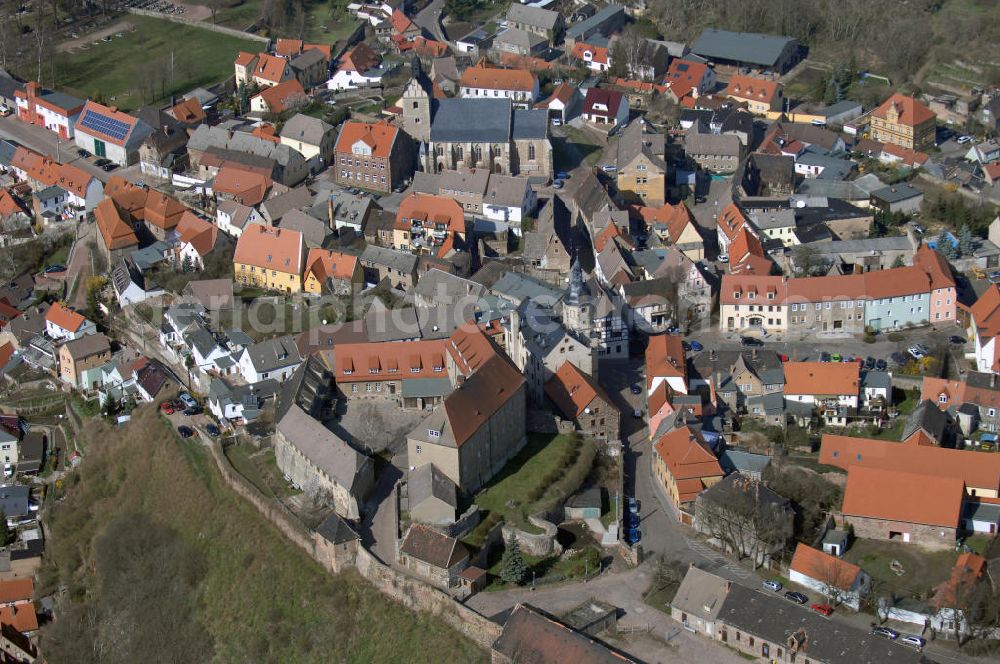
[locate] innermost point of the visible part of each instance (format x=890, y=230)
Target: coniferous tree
x=512, y=564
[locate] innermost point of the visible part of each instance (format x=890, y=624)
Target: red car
x=782, y=357
x=824, y=609
x=167, y=407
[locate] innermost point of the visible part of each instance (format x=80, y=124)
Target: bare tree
x=746, y=518
x=372, y=429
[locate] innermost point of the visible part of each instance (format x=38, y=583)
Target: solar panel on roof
x=102, y=124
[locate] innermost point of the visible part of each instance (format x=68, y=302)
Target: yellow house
x=684, y=466
x=331, y=271
x=905, y=122
x=642, y=169
x=759, y=94
x=674, y=225
x=269, y=258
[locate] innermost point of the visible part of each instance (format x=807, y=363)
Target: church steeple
x=577, y=288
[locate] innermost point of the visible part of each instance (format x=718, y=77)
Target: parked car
x=881, y=365
x=107, y=168
x=750, y=342
x=632, y=535
x=637, y=413
x=774, y=586
x=556, y=122
x=187, y=400
x=824, y=357
x=212, y=430
x=185, y=432
x=609, y=168
x=55, y=269
x=557, y=184
x=914, y=641
x=916, y=352
x=797, y=597
x=957, y=340
x=723, y=258
x=962, y=140
x=836, y=357
x=631, y=504
x=83, y=153
x=782, y=357
x=822, y=609
x=869, y=363
x=5, y=110
x=631, y=520
x=562, y=175
x=167, y=407
x=102, y=162
x=194, y=410
x=886, y=633
x=696, y=346
x=899, y=358
x=634, y=388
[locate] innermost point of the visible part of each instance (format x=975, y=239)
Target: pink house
x=944, y=301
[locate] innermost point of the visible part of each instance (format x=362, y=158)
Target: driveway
x=44, y=141
x=379, y=525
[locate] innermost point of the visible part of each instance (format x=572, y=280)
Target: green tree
x=512, y=568
x=966, y=241
x=944, y=245
x=899, y=262
x=186, y=264
x=6, y=534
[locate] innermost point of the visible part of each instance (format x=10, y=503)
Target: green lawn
x=550, y=569
x=321, y=24
x=922, y=570
x=517, y=490
x=156, y=60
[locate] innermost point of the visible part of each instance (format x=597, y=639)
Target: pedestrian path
x=720, y=561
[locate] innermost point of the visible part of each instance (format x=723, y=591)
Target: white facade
x=848, y=400
x=521, y=98
x=56, y=332
x=115, y=153
x=251, y=374
x=345, y=79
x=224, y=221
x=850, y=596
x=54, y=121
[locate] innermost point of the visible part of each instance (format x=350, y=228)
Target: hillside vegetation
x=162, y=563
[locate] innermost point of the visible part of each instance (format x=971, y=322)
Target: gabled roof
x=563, y=92
x=378, y=136
x=532, y=637
x=65, y=318
x=665, y=357
x=573, y=391
x=305, y=128
x=188, y=111
x=476, y=400
x=246, y=187
x=965, y=575
x=745, y=47
x=683, y=76
x=432, y=211
x=360, y=59
x=599, y=54
x=270, y=248
x=202, y=235
x=271, y=68
x=986, y=312
x=109, y=124
x=432, y=547
x=749, y=87
x=910, y=111
x=611, y=99
x=689, y=461
x=538, y=17
x=283, y=96
x=676, y=218
x=822, y=378
x=324, y=264
x=486, y=76
x=894, y=495
x=823, y=567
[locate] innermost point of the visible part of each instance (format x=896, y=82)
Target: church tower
x=417, y=99
x=578, y=307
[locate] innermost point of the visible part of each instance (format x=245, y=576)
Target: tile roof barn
x=893, y=495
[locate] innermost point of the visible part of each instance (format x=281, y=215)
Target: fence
x=199, y=24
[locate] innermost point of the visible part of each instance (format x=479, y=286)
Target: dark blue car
x=632, y=535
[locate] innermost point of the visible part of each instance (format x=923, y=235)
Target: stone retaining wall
x=232, y=32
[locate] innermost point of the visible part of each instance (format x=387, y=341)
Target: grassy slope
x=261, y=598
x=117, y=68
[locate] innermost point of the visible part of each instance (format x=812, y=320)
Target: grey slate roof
x=530, y=124
x=397, y=260
x=738, y=460
x=472, y=120
x=428, y=481
x=14, y=500
x=876, y=380
x=306, y=128
x=897, y=192
x=927, y=417
x=525, y=40
x=314, y=231
x=577, y=30
x=775, y=619
x=274, y=353
x=335, y=530
x=698, y=143
x=748, y=47
x=321, y=447
x=518, y=288
x=533, y=16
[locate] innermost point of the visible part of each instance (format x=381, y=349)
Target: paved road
x=44, y=141
x=378, y=528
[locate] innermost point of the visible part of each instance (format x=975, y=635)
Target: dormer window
x=770, y=296
x=433, y=433
x=414, y=369
x=750, y=296
x=737, y=294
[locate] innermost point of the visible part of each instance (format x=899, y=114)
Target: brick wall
x=932, y=537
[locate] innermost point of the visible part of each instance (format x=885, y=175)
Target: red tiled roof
x=400, y=21
x=683, y=76
x=974, y=469
x=188, y=111
x=935, y=266
x=894, y=495
x=562, y=92
x=731, y=221
x=958, y=392
x=271, y=248
x=246, y=187
x=110, y=112
x=485, y=76
x=905, y=155
x=610, y=232
x=201, y=234
x=911, y=112
x=665, y=358
x=432, y=210
x=283, y=96
x=749, y=87
x=244, y=59
x=361, y=58
x=378, y=136
x=8, y=204
x=675, y=217
x=821, y=566
x=687, y=457
x=822, y=378
x=16, y=590
x=573, y=391
x=642, y=87
x=479, y=398
x=115, y=231
x=391, y=360
x=965, y=575
x=324, y=264
x=266, y=132
x=6, y=351
x=287, y=48
x=21, y=617
x=270, y=68
x=470, y=348
x=986, y=312
x=42, y=169
x=598, y=54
